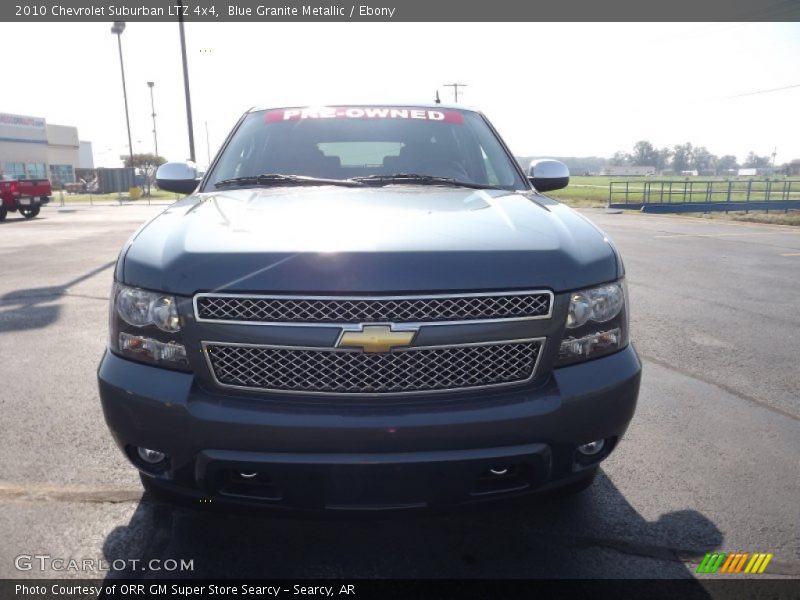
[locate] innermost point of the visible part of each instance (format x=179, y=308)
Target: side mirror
x=178, y=177
x=547, y=174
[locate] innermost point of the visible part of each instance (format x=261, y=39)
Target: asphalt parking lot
x=711, y=460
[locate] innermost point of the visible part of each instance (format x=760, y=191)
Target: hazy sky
x=551, y=89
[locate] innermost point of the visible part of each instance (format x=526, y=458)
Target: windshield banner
x=363, y=112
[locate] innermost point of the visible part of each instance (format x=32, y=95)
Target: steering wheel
x=442, y=167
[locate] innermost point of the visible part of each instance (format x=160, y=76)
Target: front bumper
x=418, y=454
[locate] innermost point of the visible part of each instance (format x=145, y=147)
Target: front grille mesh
x=346, y=372
x=372, y=310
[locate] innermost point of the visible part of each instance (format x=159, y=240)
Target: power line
x=455, y=87
x=786, y=87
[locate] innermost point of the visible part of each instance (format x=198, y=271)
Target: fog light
x=246, y=475
x=499, y=472
x=598, y=343
x=151, y=457
x=154, y=350
x=592, y=448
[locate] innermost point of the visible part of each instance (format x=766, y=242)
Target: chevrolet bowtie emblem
x=375, y=338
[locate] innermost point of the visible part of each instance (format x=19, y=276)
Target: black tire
x=3, y=213
x=29, y=212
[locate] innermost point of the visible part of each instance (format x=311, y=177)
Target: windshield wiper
x=278, y=179
x=416, y=179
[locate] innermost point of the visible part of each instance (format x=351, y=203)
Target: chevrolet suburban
x=367, y=308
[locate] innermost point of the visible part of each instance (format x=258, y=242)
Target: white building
x=628, y=171
x=755, y=171
x=31, y=148
x=85, y=156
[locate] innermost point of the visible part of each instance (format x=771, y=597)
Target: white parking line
x=714, y=235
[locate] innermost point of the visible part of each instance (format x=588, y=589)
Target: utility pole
x=150, y=84
x=455, y=87
x=186, y=83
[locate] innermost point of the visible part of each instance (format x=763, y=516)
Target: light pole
x=186, y=83
x=150, y=84
x=118, y=28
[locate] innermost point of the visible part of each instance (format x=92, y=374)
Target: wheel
x=29, y=211
x=3, y=213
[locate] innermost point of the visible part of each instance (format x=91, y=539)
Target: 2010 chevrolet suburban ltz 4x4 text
x=366, y=307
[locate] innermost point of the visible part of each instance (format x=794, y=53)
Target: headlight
x=598, y=304
x=597, y=324
x=145, y=326
x=141, y=308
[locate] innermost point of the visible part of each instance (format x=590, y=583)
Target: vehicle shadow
x=35, y=308
x=14, y=217
x=596, y=534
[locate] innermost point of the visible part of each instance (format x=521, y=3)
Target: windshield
x=357, y=142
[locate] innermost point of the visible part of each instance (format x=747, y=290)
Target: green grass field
x=593, y=191
x=156, y=195
x=584, y=192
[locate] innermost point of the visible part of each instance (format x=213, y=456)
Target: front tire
x=3, y=213
x=29, y=212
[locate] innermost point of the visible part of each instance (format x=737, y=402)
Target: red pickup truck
x=24, y=195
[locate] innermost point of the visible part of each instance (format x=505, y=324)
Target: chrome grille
x=373, y=309
x=351, y=372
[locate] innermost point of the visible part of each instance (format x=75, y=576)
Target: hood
x=353, y=240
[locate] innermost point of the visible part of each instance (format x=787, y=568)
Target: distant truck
x=25, y=195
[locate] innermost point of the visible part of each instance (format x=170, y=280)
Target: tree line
x=685, y=157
